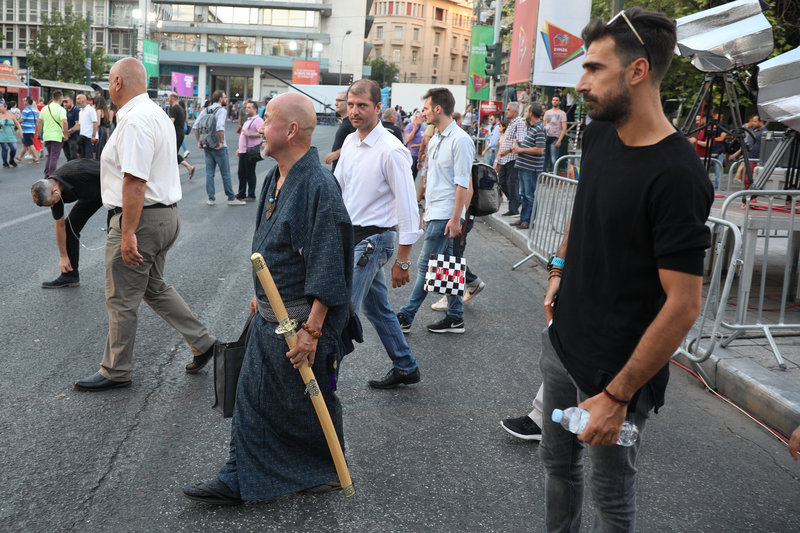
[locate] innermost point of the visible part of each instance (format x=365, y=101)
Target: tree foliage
x=384, y=72
x=57, y=52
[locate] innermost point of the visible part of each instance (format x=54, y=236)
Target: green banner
x=477, y=82
x=150, y=57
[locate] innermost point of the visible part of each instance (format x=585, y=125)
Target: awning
x=9, y=79
x=61, y=85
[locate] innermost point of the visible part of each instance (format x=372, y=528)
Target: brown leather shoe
x=515, y=224
x=523, y=225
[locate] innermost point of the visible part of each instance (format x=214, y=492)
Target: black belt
x=362, y=232
x=118, y=210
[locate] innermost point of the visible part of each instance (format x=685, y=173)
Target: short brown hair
x=368, y=87
x=442, y=97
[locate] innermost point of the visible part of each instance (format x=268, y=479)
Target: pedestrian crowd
x=397, y=179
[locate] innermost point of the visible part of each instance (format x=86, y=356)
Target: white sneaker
x=441, y=305
x=473, y=289
x=186, y=154
x=236, y=201
x=210, y=202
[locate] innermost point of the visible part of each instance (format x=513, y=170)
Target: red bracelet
x=311, y=331
x=614, y=398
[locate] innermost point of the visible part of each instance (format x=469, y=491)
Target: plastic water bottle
x=575, y=419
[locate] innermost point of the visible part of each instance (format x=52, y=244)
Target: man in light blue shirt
x=449, y=158
x=494, y=140
x=218, y=156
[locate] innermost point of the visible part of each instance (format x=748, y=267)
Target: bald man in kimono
x=304, y=233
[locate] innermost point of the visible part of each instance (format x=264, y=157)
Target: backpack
x=209, y=139
x=485, y=190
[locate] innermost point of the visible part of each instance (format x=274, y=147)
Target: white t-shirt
x=143, y=145
x=87, y=118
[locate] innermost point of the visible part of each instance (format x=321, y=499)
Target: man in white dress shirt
x=374, y=173
x=140, y=185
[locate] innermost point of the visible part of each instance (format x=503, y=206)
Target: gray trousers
x=613, y=478
x=127, y=286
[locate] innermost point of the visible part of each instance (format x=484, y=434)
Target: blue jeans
x=219, y=158
x=370, y=293
x=613, y=478
x=435, y=242
x=527, y=189
x=718, y=169
x=490, y=156
x=9, y=147
x=552, y=152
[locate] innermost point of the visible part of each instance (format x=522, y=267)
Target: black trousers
x=85, y=147
x=247, y=176
x=71, y=149
x=509, y=184
x=81, y=212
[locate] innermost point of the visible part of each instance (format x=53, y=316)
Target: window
x=451, y=81
x=391, y=6
x=229, y=44
x=379, y=32
x=119, y=42
x=433, y=79
x=23, y=37
x=412, y=78
x=455, y=42
x=452, y=63
x=408, y=9
x=414, y=57
x=398, y=32
x=435, y=61
x=22, y=12
x=121, y=14
x=437, y=37
x=416, y=34
x=438, y=14
x=463, y=65
x=466, y=45
x=34, y=14
x=396, y=55
x=99, y=38
x=378, y=52
x=8, y=31
x=180, y=42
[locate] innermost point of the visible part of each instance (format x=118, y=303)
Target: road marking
x=5, y=225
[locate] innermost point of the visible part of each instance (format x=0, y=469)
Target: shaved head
x=295, y=107
x=126, y=79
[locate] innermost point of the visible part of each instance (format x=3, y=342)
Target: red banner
x=522, y=41
x=305, y=72
x=489, y=107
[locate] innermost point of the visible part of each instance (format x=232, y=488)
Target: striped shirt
x=29, y=117
x=534, y=137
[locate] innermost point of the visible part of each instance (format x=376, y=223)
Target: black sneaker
x=447, y=325
x=12, y=163
x=405, y=325
x=394, y=379
x=6, y=165
x=523, y=428
x=64, y=280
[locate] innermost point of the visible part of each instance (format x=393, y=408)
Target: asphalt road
x=431, y=457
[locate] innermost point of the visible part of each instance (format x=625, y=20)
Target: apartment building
x=427, y=39
x=226, y=44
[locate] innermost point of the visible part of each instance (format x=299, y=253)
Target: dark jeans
x=81, y=212
x=71, y=149
x=414, y=170
x=53, y=153
x=509, y=183
x=85, y=148
x=247, y=176
x=458, y=249
x=6, y=147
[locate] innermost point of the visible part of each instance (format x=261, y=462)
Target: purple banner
x=183, y=84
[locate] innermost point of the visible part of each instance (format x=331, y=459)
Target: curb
x=765, y=394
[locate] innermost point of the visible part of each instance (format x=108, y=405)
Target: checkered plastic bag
x=446, y=274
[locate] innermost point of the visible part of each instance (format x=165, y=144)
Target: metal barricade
x=565, y=158
x=769, y=220
x=723, y=259
x=552, y=210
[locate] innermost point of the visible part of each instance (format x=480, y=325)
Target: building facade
x=427, y=39
x=232, y=45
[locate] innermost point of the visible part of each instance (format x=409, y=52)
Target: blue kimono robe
x=277, y=444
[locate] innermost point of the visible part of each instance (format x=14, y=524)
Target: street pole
x=341, y=54
x=88, y=63
x=616, y=6
x=497, y=15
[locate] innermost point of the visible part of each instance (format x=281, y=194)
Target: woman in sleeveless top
x=8, y=137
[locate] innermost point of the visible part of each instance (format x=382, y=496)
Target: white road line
x=10, y=223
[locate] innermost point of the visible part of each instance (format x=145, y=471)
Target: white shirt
x=143, y=145
x=87, y=118
x=450, y=156
x=377, y=185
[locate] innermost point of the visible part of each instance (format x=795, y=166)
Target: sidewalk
x=745, y=371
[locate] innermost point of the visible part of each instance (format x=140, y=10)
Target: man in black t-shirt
x=632, y=263
x=345, y=129
x=73, y=115
x=76, y=181
x=178, y=117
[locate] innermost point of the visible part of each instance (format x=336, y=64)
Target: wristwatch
x=555, y=261
x=404, y=265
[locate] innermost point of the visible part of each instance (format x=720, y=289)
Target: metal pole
x=497, y=15
x=88, y=63
x=616, y=6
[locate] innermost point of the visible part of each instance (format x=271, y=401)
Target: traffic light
x=493, y=55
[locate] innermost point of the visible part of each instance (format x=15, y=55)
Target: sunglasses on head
x=623, y=16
